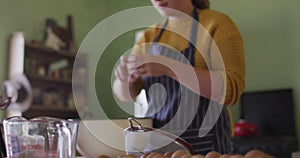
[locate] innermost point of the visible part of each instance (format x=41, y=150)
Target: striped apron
x=176, y=109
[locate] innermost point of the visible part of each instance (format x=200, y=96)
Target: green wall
x=269, y=28
x=108, y=60
x=271, y=35
x=29, y=16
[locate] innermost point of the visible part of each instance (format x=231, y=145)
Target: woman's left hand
x=148, y=65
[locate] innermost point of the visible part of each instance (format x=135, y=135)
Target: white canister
x=16, y=54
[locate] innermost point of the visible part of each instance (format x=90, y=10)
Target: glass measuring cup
x=41, y=137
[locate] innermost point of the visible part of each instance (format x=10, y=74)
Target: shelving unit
x=50, y=75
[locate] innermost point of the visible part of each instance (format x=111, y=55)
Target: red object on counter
x=243, y=128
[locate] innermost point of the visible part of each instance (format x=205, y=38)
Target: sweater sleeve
x=230, y=45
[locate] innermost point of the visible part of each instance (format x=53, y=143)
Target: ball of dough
x=253, y=153
x=103, y=156
x=237, y=156
x=153, y=155
x=225, y=156
x=212, y=154
x=197, y=156
x=178, y=153
x=186, y=156
x=168, y=154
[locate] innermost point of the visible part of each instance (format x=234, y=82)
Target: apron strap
x=193, y=33
x=161, y=31
x=194, y=30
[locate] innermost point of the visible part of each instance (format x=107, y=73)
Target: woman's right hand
x=127, y=84
x=122, y=72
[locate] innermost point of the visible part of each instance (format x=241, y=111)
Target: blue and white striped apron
x=177, y=109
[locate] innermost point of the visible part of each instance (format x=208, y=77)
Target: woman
x=155, y=63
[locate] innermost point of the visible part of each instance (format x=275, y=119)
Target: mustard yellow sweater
x=225, y=35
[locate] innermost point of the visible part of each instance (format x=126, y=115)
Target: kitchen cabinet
x=50, y=75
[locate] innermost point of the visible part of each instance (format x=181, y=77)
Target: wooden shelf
x=48, y=79
x=50, y=90
x=36, y=46
x=51, y=108
x=59, y=112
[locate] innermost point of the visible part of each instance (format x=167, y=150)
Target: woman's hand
x=126, y=86
x=148, y=65
x=122, y=72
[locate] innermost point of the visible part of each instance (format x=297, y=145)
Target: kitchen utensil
x=20, y=91
x=40, y=137
x=140, y=140
x=4, y=103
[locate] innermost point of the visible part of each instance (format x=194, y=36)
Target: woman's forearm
x=209, y=84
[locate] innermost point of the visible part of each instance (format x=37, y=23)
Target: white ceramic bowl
x=104, y=137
